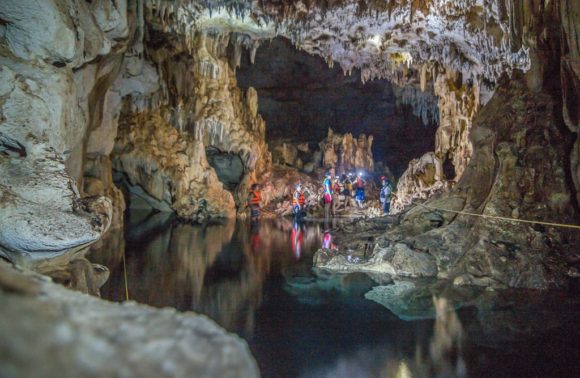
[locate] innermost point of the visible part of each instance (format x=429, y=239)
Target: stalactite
x=423, y=104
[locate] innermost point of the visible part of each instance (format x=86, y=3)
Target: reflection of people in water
x=327, y=240
x=255, y=235
x=297, y=239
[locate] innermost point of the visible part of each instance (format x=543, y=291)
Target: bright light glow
x=375, y=40
x=403, y=371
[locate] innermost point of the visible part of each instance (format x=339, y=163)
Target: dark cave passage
x=228, y=167
x=300, y=97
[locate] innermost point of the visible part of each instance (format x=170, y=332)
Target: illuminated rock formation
x=165, y=162
x=149, y=88
x=507, y=177
x=171, y=168
x=345, y=153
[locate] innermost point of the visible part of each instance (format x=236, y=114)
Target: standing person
x=254, y=202
x=335, y=195
x=298, y=202
x=360, y=190
x=348, y=185
x=385, y=195
x=327, y=190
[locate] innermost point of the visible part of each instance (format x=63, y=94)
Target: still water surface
x=256, y=280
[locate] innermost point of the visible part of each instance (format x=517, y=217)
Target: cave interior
x=178, y=108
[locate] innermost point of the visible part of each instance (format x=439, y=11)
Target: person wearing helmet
x=360, y=190
x=327, y=194
x=385, y=195
x=298, y=202
x=348, y=185
x=254, y=202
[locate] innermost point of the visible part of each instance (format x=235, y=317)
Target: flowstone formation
x=169, y=149
x=74, y=76
x=439, y=170
x=344, y=153
x=456, y=51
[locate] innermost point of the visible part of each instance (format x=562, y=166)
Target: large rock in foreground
x=49, y=331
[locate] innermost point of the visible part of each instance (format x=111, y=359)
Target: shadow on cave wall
x=300, y=98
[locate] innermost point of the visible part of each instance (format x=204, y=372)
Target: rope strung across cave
x=125, y=274
x=502, y=218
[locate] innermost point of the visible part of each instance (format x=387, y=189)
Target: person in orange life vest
x=335, y=195
x=327, y=190
x=254, y=201
x=298, y=202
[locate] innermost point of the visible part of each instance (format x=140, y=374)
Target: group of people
x=341, y=191
x=337, y=193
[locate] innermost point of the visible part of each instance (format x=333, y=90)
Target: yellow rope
x=503, y=218
x=125, y=274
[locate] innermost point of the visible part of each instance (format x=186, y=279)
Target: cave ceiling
x=407, y=42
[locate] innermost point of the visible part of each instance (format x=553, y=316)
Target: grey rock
x=62, y=333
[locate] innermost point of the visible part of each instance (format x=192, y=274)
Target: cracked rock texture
x=53, y=56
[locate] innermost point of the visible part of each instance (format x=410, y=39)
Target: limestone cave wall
x=188, y=104
x=147, y=88
x=89, y=88
x=57, y=58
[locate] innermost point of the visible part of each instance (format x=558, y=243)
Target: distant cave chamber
x=300, y=98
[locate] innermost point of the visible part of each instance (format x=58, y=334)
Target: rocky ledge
x=47, y=330
x=516, y=172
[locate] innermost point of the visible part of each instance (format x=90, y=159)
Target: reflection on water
x=216, y=269
x=256, y=279
x=446, y=347
x=75, y=272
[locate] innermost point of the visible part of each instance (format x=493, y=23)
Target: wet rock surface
x=49, y=330
x=503, y=176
